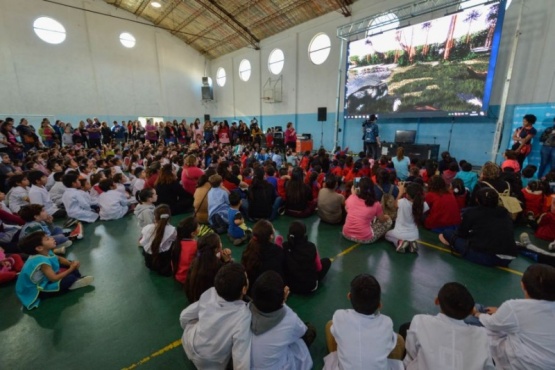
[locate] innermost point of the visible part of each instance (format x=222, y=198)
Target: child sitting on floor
x=362, y=337
x=237, y=231
x=10, y=266
x=76, y=204
x=156, y=240
x=444, y=341
x=184, y=248
x=18, y=196
x=278, y=333
x=37, y=219
x=41, y=275
x=303, y=267
x=113, y=204
x=145, y=210
x=410, y=210
x=216, y=329
x=522, y=331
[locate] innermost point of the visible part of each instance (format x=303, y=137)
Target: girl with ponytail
x=410, y=211
x=156, y=240
x=145, y=210
x=303, y=266
x=261, y=254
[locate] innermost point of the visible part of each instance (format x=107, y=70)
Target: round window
x=319, y=48
x=245, y=70
x=220, y=77
x=49, y=30
x=276, y=61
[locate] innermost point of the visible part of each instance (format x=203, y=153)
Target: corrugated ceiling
x=218, y=27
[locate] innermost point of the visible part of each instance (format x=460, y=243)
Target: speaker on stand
x=322, y=117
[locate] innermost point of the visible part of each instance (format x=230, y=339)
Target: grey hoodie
x=261, y=322
x=145, y=214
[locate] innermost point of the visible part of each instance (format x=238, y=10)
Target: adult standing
x=94, y=134
x=523, y=138
x=118, y=132
x=548, y=150
x=170, y=133
x=151, y=132
x=223, y=133
x=28, y=137
x=208, y=131
x=290, y=136
x=15, y=148
x=106, y=133
x=371, y=137
x=401, y=164
x=46, y=133
x=83, y=134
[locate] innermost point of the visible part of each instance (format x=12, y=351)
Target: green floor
x=130, y=316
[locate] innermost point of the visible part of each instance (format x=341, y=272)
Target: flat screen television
x=405, y=137
x=443, y=67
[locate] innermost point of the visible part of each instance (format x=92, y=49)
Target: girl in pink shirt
x=365, y=222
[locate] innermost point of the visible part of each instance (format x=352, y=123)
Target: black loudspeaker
x=207, y=93
x=206, y=117
x=278, y=129
x=322, y=114
x=278, y=135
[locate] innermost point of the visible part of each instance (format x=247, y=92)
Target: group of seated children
x=261, y=331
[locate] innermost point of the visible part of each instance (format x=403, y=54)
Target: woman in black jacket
x=486, y=234
x=299, y=201
x=170, y=192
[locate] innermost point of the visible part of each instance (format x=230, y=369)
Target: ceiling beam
x=230, y=21
x=141, y=8
x=188, y=20
x=168, y=11
x=117, y=4
x=260, y=21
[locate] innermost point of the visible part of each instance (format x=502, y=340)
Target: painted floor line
x=346, y=251
x=449, y=251
x=169, y=347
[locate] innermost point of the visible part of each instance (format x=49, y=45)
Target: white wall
x=91, y=73
x=307, y=86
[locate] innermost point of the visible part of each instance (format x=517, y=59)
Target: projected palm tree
x=471, y=17
x=426, y=26
x=492, y=22
x=449, y=42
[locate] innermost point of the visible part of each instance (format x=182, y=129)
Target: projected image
x=436, y=68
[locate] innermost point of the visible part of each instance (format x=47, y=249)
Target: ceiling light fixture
x=156, y=4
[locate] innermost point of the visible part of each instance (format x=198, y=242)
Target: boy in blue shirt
x=237, y=230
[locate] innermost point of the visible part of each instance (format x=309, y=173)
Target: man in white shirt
x=522, y=331
x=444, y=341
x=277, y=341
x=39, y=195
x=217, y=327
x=75, y=203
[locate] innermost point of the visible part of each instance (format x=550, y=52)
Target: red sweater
x=444, y=211
x=186, y=257
x=546, y=227
x=534, y=202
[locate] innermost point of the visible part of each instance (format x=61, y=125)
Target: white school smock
x=281, y=348
x=39, y=195
x=77, y=206
x=440, y=342
x=113, y=205
x=363, y=341
x=147, y=236
x=15, y=198
x=522, y=334
x=405, y=227
x=56, y=193
x=215, y=330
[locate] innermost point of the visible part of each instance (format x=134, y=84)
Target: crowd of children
x=242, y=183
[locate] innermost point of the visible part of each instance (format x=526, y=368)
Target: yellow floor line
x=167, y=348
x=449, y=251
x=348, y=250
